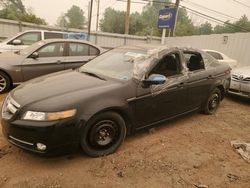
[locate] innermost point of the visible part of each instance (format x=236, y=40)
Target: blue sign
x=80, y=36
x=166, y=18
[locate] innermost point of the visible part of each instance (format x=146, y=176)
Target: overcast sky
x=50, y=10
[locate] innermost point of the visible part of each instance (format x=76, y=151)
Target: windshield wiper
x=93, y=74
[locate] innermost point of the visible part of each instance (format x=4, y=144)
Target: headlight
x=48, y=116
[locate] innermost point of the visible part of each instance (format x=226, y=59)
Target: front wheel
x=212, y=102
x=5, y=82
x=103, y=134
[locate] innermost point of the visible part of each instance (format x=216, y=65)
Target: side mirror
x=155, y=79
x=17, y=42
x=35, y=55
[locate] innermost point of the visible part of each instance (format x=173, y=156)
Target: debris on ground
x=120, y=174
x=201, y=186
x=243, y=148
x=233, y=177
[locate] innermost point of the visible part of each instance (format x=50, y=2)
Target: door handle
x=210, y=77
x=180, y=85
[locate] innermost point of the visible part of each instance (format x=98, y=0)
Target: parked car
x=222, y=58
x=123, y=90
x=42, y=58
x=240, y=82
x=24, y=39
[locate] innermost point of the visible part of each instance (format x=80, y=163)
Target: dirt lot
x=191, y=151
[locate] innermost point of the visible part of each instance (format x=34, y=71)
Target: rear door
x=51, y=58
x=200, y=79
x=79, y=53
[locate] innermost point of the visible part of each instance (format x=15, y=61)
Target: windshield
x=31, y=48
x=117, y=63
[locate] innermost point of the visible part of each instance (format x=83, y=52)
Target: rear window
x=79, y=49
x=215, y=55
x=50, y=35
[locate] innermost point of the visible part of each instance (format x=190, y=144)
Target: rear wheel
x=103, y=134
x=212, y=102
x=5, y=82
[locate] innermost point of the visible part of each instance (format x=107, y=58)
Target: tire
x=5, y=82
x=212, y=102
x=103, y=134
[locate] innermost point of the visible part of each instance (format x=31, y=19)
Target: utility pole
x=177, y=3
x=97, y=18
x=90, y=18
x=127, y=17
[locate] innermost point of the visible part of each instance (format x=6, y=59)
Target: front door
x=159, y=102
x=51, y=59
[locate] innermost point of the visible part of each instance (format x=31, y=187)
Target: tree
x=15, y=10
x=76, y=18
x=62, y=21
x=113, y=21
x=242, y=25
x=204, y=29
x=184, y=26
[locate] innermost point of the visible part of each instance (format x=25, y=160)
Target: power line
x=204, y=15
x=243, y=4
x=227, y=23
x=203, y=7
x=219, y=23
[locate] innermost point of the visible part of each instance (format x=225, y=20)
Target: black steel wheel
x=103, y=134
x=5, y=82
x=213, y=102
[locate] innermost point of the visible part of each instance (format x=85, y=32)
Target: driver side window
x=29, y=38
x=52, y=50
x=168, y=66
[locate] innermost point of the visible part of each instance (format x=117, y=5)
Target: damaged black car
x=123, y=90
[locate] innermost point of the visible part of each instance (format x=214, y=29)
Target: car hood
x=57, y=84
x=8, y=57
x=244, y=71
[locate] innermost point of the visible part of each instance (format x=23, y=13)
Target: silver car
x=42, y=58
x=222, y=58
x=240, y=82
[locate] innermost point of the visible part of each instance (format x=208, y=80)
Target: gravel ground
x=191, y=151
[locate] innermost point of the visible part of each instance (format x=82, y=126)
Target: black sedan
x=121, y=91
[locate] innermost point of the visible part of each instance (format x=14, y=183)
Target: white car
x=240, y=82
x=222, y=58
x=24, y=39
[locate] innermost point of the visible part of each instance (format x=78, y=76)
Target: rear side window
x=209, y=60
x=194, y=61
x=215, y=55
x=50, y=35
x=79, y=49
x=29, y=38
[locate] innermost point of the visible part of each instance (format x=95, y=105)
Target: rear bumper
x=56, y=136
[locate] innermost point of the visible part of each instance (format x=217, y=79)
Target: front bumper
x=54, y=135
x=240, y=88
